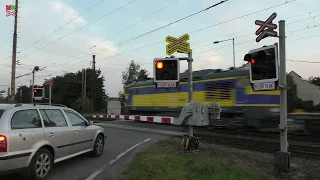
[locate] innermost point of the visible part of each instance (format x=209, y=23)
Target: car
x=33, y=137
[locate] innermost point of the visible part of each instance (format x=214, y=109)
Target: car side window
x=53, y=118
x=26, y=119
x=75, y=119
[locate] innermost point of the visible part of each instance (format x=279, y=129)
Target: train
x=241, y=107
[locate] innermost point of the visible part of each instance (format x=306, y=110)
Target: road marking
x=97, y=172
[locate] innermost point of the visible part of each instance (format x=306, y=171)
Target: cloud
x=69, y=13
x=60, y=56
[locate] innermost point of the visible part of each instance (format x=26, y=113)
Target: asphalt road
x=108, y=166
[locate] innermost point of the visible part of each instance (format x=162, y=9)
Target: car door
x=26, y=131
x=84, y=135
x=58, y=132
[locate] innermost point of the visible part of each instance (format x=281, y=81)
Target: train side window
x=129, y=91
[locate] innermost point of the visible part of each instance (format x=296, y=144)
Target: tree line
x=67, y=90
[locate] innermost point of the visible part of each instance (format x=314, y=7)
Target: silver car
x=34, y=137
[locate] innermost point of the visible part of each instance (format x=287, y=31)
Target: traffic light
x=166, y=70
x=263, y=63
x=38, y=93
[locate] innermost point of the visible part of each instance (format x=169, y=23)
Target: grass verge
x=166, y=161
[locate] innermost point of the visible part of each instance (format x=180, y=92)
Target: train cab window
x=129, y=91
x=243, y=82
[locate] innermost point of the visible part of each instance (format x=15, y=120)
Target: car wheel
x=98, y=146
x=41, y=164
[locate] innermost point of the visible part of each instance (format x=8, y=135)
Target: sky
x=62, y=35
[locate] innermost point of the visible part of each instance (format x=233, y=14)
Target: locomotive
x=241, y=107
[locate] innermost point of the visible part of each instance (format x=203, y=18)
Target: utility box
x=114, y=107
x=198, y=114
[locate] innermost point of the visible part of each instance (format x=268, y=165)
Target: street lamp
x=234, y=58
x=36, y=68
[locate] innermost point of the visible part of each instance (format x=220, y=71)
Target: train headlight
x=274, y=110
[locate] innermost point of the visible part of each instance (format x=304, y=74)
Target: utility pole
x=8, y=95
x=234, y=55
x=93, y=87
x=20, y=95
x=82, y=83
x=14, y=55
x=190, y=91
x=85, y=84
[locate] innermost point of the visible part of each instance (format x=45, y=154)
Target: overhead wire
x=128, y=27
x=169, y=24
x=62, y=37
x=221, y=22
x=142, y=19
x=87, y=10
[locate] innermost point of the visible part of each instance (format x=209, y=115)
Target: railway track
x=270, y=135
x=296, y=150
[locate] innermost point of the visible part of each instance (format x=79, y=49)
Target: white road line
x=97, y=172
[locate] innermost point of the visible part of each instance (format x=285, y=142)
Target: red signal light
x=253, y=61
x=35, y=90
x=159, y=65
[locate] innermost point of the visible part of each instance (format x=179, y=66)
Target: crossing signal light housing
x=166, y=70
x=263, y=63
x=38, y=93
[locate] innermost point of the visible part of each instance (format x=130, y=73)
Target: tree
x=26, y=95
x=134, y=73
x=2, y=97
x=67, y=90
x=315, y=80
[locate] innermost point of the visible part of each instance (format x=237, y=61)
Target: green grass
x=167, y=161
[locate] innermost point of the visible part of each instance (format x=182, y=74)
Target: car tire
x=98, y=147
x=41, y=164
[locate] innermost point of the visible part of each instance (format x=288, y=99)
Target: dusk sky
x=106, y=25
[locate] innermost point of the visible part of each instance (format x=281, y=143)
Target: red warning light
x=35, y=90
x=159, y=65
x=253, y=61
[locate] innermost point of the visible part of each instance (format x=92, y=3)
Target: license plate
x=264, y=86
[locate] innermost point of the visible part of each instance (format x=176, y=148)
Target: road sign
x=48, y=82
x=266, y=28
x=264, y=86
x=178, y=44
x=166, y=85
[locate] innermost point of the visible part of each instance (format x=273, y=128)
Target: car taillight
x=3, y=143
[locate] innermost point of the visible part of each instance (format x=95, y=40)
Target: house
x=306, y=91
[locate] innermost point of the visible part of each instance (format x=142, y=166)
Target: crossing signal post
x=265, y=76
x=264, y=68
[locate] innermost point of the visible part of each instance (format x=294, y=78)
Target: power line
x=158, y=42
x=211, y=26
x=87, y=10
x=223, y=22
x=81, y=27
x=122, y=43
x=130, y=26
x=169, y=24
x=317, y=62
x=246, y=15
